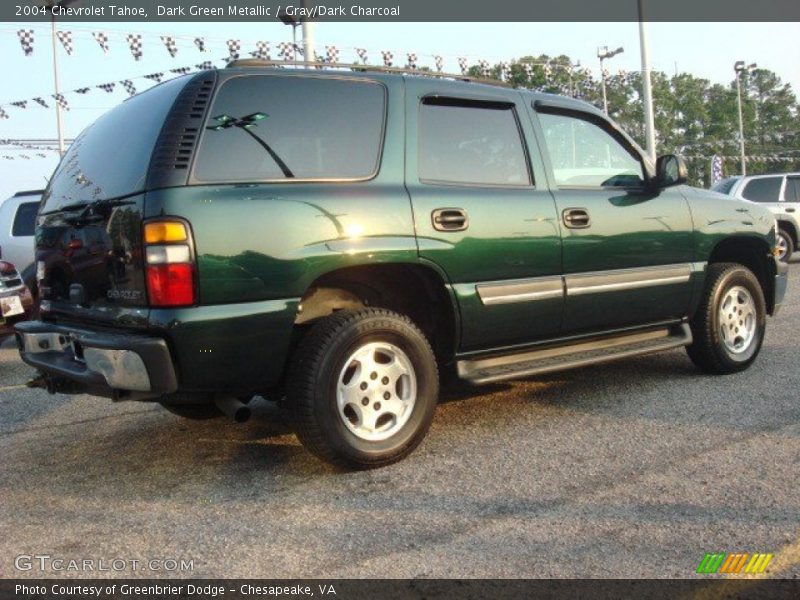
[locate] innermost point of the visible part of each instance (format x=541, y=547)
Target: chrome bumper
x=104, y=363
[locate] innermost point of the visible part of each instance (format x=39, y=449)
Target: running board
x=579, y=354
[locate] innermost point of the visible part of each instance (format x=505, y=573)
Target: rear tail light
x=169, y=264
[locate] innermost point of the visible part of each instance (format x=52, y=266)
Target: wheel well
x=789, y=227
x=412, y=290
x=753, y=254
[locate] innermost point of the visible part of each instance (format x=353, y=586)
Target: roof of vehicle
x=382, y=72
x=793, y=173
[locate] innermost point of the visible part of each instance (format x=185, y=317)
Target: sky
x=703, y=49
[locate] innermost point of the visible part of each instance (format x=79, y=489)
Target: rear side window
x=470, y=143
x=763, y=189
x=791, y=192
x=267, y=127
x=25, y=219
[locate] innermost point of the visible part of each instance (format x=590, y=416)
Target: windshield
x=111, y=157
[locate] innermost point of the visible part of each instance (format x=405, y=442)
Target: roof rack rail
x=260, y=62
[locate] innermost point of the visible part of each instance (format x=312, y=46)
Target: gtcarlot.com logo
x=737, y=562
x=46, y=562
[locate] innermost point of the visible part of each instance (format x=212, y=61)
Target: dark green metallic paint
x=261, y=245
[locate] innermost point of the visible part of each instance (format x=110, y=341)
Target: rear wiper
x=92, y=211
x=66, y=208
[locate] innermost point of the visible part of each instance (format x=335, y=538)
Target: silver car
x=780, y=193
x=17, y=224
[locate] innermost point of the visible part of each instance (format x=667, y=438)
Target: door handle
x=576, y=218
x=789, y=210
x=450, y=219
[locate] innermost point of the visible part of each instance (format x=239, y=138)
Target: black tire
x=195, y=412
x=314, y=374
x=708, y=350
x=782, y=233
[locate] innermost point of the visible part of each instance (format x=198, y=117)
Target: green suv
x=338, y=239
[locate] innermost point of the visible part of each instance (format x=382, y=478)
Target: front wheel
x=363, y=388
x=728, y=327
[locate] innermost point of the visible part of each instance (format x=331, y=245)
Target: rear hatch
x=89, y=228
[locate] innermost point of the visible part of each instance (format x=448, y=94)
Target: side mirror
x=670, y=170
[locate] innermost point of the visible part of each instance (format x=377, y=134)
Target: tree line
x=693, y=117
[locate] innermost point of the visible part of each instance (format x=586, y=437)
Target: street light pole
x=603, y=53
x=308, y=35
x=739, y=68
x=647, y=89
x=59, y=126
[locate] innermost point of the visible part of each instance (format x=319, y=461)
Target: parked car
x=17, y=224
x=16, y=303
x=780, y=193
x=341, y=238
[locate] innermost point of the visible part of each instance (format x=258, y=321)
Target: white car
x=17, y=225
x=780, y=193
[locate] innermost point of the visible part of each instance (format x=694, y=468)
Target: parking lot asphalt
x=634, y=469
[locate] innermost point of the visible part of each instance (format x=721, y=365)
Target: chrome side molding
x=578, y=284
x=626, y=279
x=523, y=290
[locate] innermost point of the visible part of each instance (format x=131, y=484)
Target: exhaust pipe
x=233, y=407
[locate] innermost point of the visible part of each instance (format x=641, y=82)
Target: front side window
x=763, y=189
x=584, y=154
x=25, y=219
x=267, y=127
x=470, y=143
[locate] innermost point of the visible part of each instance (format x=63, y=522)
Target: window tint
x=25, y=219
x=585, y=154
x=791, y=192
x=763, y=189
x=279, y=127
x=724, y=186
x=470, y=143
x=110, y=158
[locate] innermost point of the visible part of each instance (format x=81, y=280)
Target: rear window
x=763, y=189
x=111, y=157
x=268, y=127
x=25, y=219
x=724, y=186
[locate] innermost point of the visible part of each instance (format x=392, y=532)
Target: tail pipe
x=233, y=407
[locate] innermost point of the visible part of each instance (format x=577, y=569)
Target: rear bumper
x=781, y=282
x=102, y=363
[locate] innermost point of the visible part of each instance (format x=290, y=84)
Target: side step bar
x=579, y=354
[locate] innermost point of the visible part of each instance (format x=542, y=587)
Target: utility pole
x=739, y=68
x=647, y=89
x=603, y=53
x=49, y=5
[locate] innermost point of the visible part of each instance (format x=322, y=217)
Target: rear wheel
x=363, y=388
x=785, y=245
x=728, y=328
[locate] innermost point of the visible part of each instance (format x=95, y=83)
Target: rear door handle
x=450, y=219
x=789, y=210
x=576, y=218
